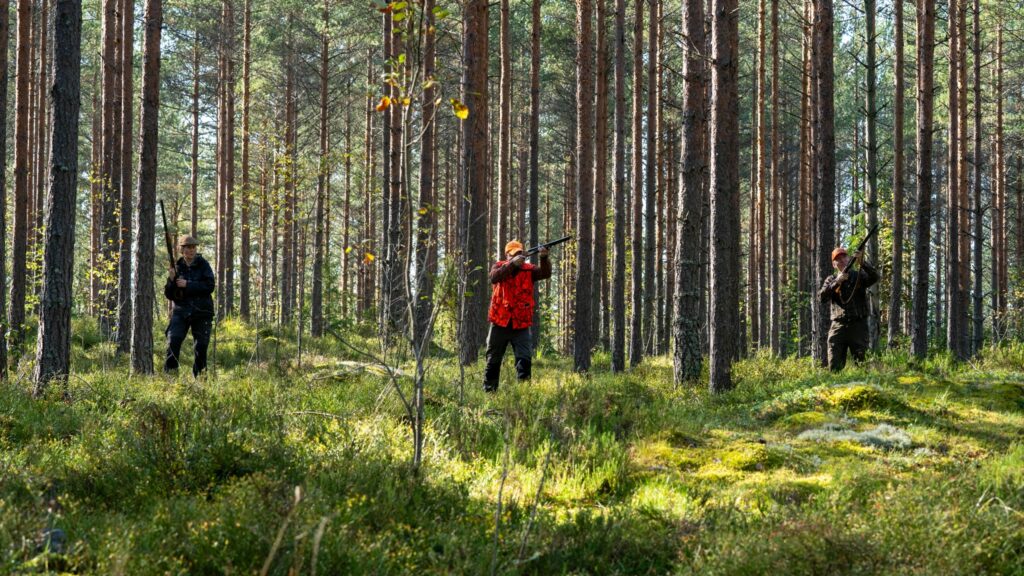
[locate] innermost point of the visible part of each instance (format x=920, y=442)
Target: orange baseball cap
x=513, y=246
x=837, y=252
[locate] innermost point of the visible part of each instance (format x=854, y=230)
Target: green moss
x=855, y=397
x=751, y=456
x=803, y=420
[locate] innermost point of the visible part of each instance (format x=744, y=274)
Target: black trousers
x=176, y=332
x=498, y=339
x=849, y=336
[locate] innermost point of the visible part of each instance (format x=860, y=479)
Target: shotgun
x=537, y=248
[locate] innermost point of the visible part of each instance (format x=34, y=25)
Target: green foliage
x=875, y=471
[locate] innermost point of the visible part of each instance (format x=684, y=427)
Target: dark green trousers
x=849, y=336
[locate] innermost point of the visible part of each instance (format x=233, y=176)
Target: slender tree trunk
x=978, y=327
x=725, y=201
x=473, y=209
x=426, y=239
x=53, y=349
x=806, y=241
x=618, y=281
x=651, y=181
x=599, y=267
x=195, y=138
x=228, y=217
x=954, y=302
x=19, y=242
x=636, y=315
x=288, y=226
x=999, y=284
x=898, y=183
x=582, y=295
x=775, y=260
x=686, y=318
x=824, y=162
x=323, y=174
x=5, y=15
x=925, y=103
x=144, y=256
x=870, y=81
x=124, y=261
x=244, y=244
x=535, y=30
x=504, y=130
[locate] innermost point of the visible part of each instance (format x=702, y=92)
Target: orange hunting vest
x=512, y=299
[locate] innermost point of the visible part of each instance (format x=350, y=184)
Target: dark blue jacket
x=195, y=297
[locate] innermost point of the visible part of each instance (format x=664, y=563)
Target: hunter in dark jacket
x=190, y=287
x=848, y=294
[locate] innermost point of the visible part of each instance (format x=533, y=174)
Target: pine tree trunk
x=870, y=81
x=824, y=181
x=19, y=241
x=636, y=286
x=954, y=302
x=504, y=129
x=124, y=261
x=599, y=266
x=651, y=181
x=5, y=6
x=978, y=326
x=898, y=183
x=806, y=241
x=194, y=183
x=323, y=174
x=426, y=238
x=618, y=281
x=925, y=104
x=473, y=209
x=288, y=226
x=582, y=295
x=244, y=244
x=53, y=350
x=535, y=29
x=776, y=262
x=144, y=257
x=686, y=318
x=725, y=201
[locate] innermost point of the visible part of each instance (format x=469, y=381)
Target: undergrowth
x=300, y=464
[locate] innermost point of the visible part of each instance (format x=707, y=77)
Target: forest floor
x=275, y=467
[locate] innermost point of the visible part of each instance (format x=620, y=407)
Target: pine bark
x=124, y=260
x=618, y=280
x=871, y=144
x=978, y=324
x=725, y=201
x=898, y=184
x=53, y=350
x=426, y=237
x=245, y=271
x=955, y=301
x=19, y=241
x=473, y=209
x=599, y=266
x=651, y=182
x=686, y=318
x=582, y=329
x=145, y=229
x=637, y=247
x=194, y=181
x=925, y=111
x=504, y=208
x=323, y=174
x=5, y=6
x=824, y=181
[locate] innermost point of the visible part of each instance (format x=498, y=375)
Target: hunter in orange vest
x=511, y=312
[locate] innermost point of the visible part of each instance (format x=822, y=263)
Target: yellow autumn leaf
x=384, y=103
x=459, y=109
x=423, y=211
x=406, y=101
x=348, y=250
x=368, y=258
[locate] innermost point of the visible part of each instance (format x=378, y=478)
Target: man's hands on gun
x=519, y=259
